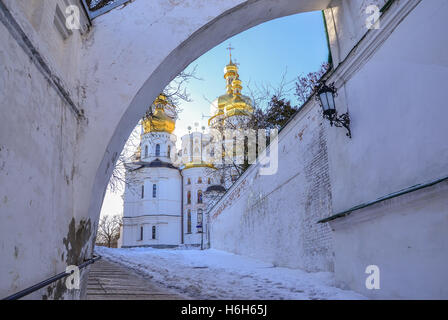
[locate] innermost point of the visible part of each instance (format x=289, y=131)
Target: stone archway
x=55, y=164
x=61, y=162
x=140, y=67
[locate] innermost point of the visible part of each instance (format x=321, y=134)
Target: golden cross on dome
x=230, y=51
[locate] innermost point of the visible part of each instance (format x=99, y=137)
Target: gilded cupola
x=230, y=74
x=158, y=120
x=233, y=102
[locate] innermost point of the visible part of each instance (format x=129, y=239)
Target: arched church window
x=189, y=181
x=200, y=196
x=169, y=151
x=189, y=221
x=141, y=232
x=189, y=197
x=154, y=190
x=157, y=150
x=200, y=222
x=143, y=192
x=146, y=151
x=209, y=181
x=234, y=147
x=199, y=180
x=154, y=230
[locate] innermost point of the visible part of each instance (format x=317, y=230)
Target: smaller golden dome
x=230, y=74
x=230, y=69
x=159, y=121
x=237, y=86
x=233, y=103
x=161, y=99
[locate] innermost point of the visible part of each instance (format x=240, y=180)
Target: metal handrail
x=49, y=281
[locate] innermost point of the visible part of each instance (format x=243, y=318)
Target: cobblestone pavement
x=111, y=281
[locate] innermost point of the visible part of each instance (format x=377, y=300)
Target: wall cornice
x=371, y=42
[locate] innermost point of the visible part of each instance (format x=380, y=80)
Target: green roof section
x=384, y=198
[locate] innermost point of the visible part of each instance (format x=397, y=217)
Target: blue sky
x=297, y=44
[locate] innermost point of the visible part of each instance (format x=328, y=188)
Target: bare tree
x=263, y=98
x=306, y=85
x=109, y=230
x=175, y=92
x=273, y=106
x=118, y=179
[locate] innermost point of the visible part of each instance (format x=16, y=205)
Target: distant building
x=167, y=192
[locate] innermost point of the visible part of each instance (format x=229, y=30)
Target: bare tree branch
x=109, y=230
x=175, y=92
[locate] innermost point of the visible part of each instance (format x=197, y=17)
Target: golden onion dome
x=223, y=101
x=159, y=121
x=233, y=102
x=240, y=105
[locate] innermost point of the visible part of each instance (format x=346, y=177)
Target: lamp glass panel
x=330, y=99
x=323, y=99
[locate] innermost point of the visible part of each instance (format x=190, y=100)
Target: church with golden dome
x=169, y=191
x=233, y=102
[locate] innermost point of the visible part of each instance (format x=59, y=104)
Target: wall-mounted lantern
x=325, y=95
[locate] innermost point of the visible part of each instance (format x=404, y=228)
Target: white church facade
x=168, y=192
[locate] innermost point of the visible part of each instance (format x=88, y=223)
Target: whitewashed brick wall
x=274, y=218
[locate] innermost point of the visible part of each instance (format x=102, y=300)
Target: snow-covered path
x=213, y=274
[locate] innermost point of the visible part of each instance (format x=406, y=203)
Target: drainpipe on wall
x=330, y=57
x=181, y=207
x=208, y=230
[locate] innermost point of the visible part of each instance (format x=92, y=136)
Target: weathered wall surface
x=405, y=237
x=55, y=163
x=130, y=60
x=393, y=85
x=273, y=217
x=38, y=137
x=68, y=106
x=347, y=24
x=395, y=90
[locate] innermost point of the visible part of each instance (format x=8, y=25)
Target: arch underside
x=175, y=57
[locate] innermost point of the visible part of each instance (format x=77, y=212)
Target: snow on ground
x=213, y=274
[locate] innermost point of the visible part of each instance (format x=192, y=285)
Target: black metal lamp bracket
x=340, y=121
